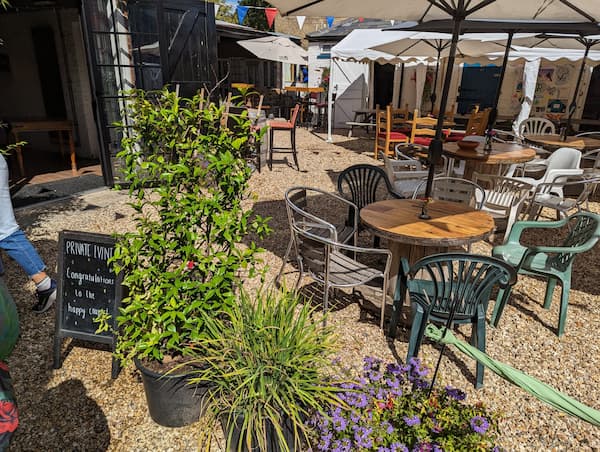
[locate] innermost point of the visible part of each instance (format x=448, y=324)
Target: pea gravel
x=80, y=408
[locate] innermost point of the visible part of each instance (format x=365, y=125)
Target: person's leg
x=23, y=252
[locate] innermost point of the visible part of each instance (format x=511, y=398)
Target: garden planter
x=172, y=402
x=272, y=443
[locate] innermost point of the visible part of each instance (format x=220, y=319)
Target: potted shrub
x=265, y=358
x=390, y=408
x=187, y=181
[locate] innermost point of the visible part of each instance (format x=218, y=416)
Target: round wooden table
x=502, y=155
x=451, y=225
x=553, y=142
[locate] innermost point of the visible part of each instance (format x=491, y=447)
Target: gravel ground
x=80, y=408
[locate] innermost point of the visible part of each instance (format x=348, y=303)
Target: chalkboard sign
x=87, y=287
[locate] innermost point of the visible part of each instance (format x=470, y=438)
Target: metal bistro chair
x=299, y=212
x=450, y=288
x=555, y=263
x=324, y=260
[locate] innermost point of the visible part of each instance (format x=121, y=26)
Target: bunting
x=329, y=21
x=270, y=13
x=217, y=6
x=241, y=13
x=300, y=20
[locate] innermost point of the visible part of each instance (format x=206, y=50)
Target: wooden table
x=18, y=127
x=305, y=89
x=489, y=163
x=451, y=225
x=447, y=123
x=553, y=142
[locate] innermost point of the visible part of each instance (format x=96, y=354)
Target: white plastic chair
x=405, y=174
x=536, y=126
x=562, y=162
x=504, y=197
x=546, y=195
x=454, y=189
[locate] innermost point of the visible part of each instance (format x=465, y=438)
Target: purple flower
x=455, y=393
x=342, y=446
x=362, y=438
x=389, y=428
x=436, y=428
x=411, y=421
x=355, y=417
x=339, y=422
x=383, y=449
x=398, y=447
x=427, y=447
x=479, y=424
x=325, y=442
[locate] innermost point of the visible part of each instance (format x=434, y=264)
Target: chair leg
x=549, y=291
x=564, y=304
x=478, y=340
x=416, y=332
x=271, y=136
x=293, y=138
x=285, y=259
x=501, y=299
x=398, y=303
x=325, y=303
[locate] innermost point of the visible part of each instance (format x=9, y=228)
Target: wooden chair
x=423, y=129
x=289, y=126
x=385, y=136
x=448, y=115
x=476, y=125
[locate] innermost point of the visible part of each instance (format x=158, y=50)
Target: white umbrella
x=276, y=48
x=458, y=11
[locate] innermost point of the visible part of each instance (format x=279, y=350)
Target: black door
x=477, y=87
x=591, y=110
x=384, y=84
x=145, y=44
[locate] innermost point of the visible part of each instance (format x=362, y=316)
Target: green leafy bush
x=183, y=162
x=265, y=360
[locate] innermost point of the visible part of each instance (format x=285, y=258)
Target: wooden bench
x=354, y=124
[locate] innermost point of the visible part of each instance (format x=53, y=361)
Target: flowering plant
x=390, y=409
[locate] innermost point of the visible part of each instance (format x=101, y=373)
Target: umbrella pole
x=573, y=105
x=401, y=87
x=436, y=145
x=494, y=112
x=435, y=79
x=330, y=103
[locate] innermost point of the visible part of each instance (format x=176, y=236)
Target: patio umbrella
x=458, y=11
x=276, y=48
x=437, y=45
x=542, y=34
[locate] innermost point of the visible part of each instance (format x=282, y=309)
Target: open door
x=145, y=44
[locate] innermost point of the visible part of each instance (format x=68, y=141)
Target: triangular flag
x=300, y=20
x=241, y=13
x=270, y=13
x=329, y=21
x=361, y=19
x=217, y=6
x=392, y=21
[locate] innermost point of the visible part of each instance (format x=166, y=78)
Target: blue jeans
x=22, y=251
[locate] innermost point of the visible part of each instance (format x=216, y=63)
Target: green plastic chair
x=552, y=262
x=451, y=288
x=9, y=321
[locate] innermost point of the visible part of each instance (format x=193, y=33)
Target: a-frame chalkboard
x=87, y=285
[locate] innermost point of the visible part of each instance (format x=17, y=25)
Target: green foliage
x=256, y=18
x=187, y=184
x=391, y=409
x=264, y=359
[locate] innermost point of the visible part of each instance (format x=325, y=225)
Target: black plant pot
x=239, y=437
x=172, y=402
